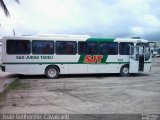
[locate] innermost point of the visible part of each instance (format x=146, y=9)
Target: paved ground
x=5, y=80
x=86, y=94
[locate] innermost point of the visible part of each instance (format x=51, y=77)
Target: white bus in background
x=158, y=52
x=67, y=54
x=155, y=52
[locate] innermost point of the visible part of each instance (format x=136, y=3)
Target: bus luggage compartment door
x=134, y=59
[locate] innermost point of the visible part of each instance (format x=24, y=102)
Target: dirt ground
x=88, y=94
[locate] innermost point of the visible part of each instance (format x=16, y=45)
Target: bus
x=155, y=52
x=74, y=54
x=158, y=52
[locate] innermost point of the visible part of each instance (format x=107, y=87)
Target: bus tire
x=52, y=72
x=124, y=71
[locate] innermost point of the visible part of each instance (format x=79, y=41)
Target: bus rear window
x=42, y=47
x=18, y=47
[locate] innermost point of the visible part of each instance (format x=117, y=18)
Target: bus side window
x=42, y=47
x=18, y=47
x=108, y=48
x=60, y=47
x=124, y=48
x=66, y=47
x=82, y=48
x=71, y=47
x=87, y=48
x=92, y=48
x=113, y=48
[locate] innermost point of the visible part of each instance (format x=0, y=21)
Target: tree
x=4, y=8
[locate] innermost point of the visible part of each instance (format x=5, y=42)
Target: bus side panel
x=104, y=68
x=18, y=69
x=40, y=68
x=68, y=64
x=78, y=68
x=113, y=64
x=36, y=69
x=147, y=67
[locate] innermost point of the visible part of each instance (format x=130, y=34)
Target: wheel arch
x=56, y=66
x=121, y=70
x=124, y=65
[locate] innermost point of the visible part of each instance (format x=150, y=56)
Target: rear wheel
x=124, y=71
x=52, y=72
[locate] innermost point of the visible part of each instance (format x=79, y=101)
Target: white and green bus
x=74, y=54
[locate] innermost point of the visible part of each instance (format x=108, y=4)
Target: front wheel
x=124, y=71
x=51, y=72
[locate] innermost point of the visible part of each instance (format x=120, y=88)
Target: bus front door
x=134, y=59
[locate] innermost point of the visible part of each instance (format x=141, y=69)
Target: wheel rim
x=52, y=72
x=125, y=71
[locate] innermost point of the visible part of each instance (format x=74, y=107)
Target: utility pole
x=14, y=32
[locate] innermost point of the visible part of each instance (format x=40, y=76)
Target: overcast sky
x=97, y=18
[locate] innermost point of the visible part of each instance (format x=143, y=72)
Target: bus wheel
x=51, y=72
x=124, y=71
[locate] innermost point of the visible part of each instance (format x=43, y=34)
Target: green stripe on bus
x=147, y=62
x=81, y=59
x=117, y=62
x=100, y=39
x=104, y=59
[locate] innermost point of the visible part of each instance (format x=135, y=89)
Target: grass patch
x=13, y=85
x=18, y=84
x=2, y=94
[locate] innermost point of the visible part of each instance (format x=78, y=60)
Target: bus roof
x=131, y=40
x=44, y=37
